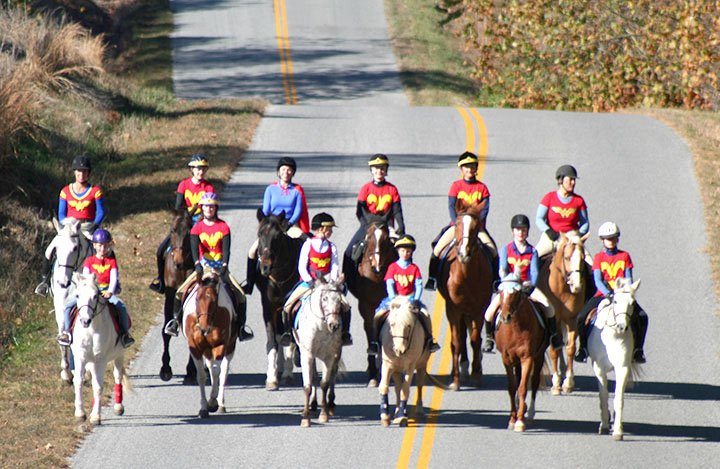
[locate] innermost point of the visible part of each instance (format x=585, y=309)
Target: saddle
x=114, y=315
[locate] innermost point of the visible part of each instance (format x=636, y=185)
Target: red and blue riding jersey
x=608, y=266
x=318, y=257
x=210, y=237
x=471, y=193
x=105, y=270
x=563, y=215
x=85, y=206
x=403, y=278
x=378, y=198
x=191, y=194
x=527, y=260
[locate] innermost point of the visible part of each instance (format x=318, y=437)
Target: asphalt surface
x=633, y=170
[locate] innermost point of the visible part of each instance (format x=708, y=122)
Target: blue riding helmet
x=101, y=236
x=198, y=160
x=209, y=198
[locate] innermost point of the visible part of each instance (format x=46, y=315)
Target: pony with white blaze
x=610, y=346
x=318, y=333
x=95, y=344
x=70, y=253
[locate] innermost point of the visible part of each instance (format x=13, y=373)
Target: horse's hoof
x=373, y=383
x=385, y=420
x=568, y=389
x=271, y=385
x=287, y=380
x=454, y=386
x=80, y=418
x=617, y=437
x=203, y=414
x=331, y=411
x=221, y=409
x=511, y=425
x=95, y=420
x=401, y=421
x=119, y=409
x=519, y=426
x=213, y=407
x=190, y=380
x=166, y=373
x=555, y=391
x=305, y=423
x=603, y=431
x=323, y=418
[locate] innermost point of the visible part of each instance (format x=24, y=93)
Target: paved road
x=632, y=170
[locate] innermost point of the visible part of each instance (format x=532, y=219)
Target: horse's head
x=401, y=320
x=510, y=291
x=271, y=239
x=467, y=226
x=617, y=312
x=379, y=250
x=180, y=237
x=67, y=250
x=569, y=258
x=328, y=298
x=88, y=297
x=206, y=301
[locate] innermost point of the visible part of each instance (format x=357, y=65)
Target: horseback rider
x=377, y=200
x=521, y=254
x=318, y=258
x=281, y=197
x=472, y=192
x=104, y=266
x=561, y=211
x=189, y=192
x=403, y=278
x=609, y=265
x=210, y=248
x=79, y=200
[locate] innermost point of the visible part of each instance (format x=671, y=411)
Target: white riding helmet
x=608, y=230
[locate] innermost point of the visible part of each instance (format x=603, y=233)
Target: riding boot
x=349, y=270
x=158, y=285
x=287, y=319
x=250, y=276
x=489, y=336
x=43, y=287
x=431, y=283
x=126, y=339
x=556, y=340
x=374, y=345
x=582, y=354
x=639, y=328
x=173, y=326
x=346, y=337
x=430, y=343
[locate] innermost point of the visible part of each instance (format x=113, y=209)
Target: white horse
x=403, y=352
x=70, y=253
x=610, y=346
x=210, y=326
x=319, y=336
x=95, y=344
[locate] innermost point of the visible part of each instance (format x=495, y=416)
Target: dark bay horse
x=278, y=256
x=178, y=265
x=564, y=280
x=369, y=286
x=211, y=327
x=521, y=341
x=465, y=282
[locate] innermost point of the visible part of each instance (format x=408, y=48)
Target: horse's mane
x=403, y=310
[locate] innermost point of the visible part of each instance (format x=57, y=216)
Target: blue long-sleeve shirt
x=277, y=200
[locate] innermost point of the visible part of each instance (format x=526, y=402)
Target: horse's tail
x=634, y=375
x=436, y=382
x=341, y=371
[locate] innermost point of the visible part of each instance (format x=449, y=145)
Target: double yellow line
x=476, y=142
x=283, y=40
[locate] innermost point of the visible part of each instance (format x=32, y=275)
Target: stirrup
x=171, y=328
x=64, y=339
x=286, y=339
x=42, y=289
x=431, y=284
x=581, y=355
x=489, y=345
x=247, y=287
x=639, y=356
x=127, y=340
x=433, y=346
x=157, y=286
x=556, y=341
x=245, y=333
x=346, y=339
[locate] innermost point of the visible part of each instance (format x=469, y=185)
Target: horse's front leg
x=367, y=314
x=401, y=416
x=271, y=347
x=324, y=386
x=475, y=342
x=97, y=372
x=534, y=385
x=621, y=376
x=308, y=375
x=201, y=377
x=78, y=384
x=214, y=367
x=526, y=367
x=165, y=370
x=118, y=372
x=224, y=371
x=287, y=364
x=420, y=376
x=455, y=347
x=556, y=378
x=384, y=389
x=65, y=356
x=512, y=391
x=603, y=394
x=568, y=385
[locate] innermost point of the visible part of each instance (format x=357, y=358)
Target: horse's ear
x=76, y=277
x=260, y=214
x=341, y=279
x=459, y=206
x=635, y=285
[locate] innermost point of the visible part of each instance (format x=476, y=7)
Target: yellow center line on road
x=428, y=434
x=283, y=40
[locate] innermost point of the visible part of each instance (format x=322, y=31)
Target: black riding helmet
x=378, y=159
x=406, y=241
x=287, y=161
x=322, y=219
x=566, y=170
x=198, y=160
x=467, y=158
x=81, y=162
x=520, y=221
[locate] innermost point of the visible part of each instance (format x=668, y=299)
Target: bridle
x=210, y=312
x=71, y=265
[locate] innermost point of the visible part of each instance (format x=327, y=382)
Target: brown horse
x=564, y=282
x=211, y=328
x=465, y=281
x=278, y=262
x=178, y=265
x=369, y=286
x=521, y=342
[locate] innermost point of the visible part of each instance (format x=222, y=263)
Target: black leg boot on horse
x=158, y=285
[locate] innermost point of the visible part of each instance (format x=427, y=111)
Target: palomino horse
x=465, y=281
x=211, y=328
x=610, y=346
x=278, y=254
x=369, y=286
x=564, y=283
x=319, y=337
x=521, y=341
x=403, y=352
x=70, y=253
x=178, y=265
x=95, y=344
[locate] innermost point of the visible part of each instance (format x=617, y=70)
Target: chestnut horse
x=211, y=327
x=178, y=265
x=278, y=258
x=521, y=342
x=564, y=282
x=369, y=286
x=465, y=282
x=403, y=353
